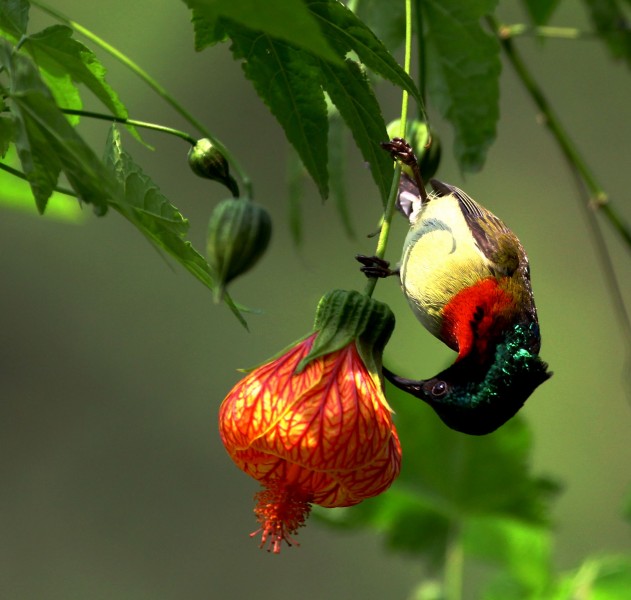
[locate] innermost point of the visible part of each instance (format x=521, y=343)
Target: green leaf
x=612, y=24
x=463, y=69
x=208, y=31
x=346, y=32
x=602, y=578
x=386, y=19
x=295, y=178
x=521, y=550
x=154, y=216
x=540, y=11
x=65, y=62
x=350, y=91
x=16, y=194
x=47, y=143
x=288, y=81
x=7, y=133
x=337, y=169
x=14, y=18
x=449, y=481
x=287, y=20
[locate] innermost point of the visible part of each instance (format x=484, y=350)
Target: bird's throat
x=476, y=318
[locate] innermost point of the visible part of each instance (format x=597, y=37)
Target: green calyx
x=239, y=232
x=425, y=143
x=345, y=316
x=208, y=162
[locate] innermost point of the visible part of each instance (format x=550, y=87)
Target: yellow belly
x=439, y=260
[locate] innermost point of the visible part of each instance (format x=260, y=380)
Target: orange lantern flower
x=313, y=425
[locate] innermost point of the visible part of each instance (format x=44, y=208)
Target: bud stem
x=161, y=91
x=156, y=127
x=384, y=232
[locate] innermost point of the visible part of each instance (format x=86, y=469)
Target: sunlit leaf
x=601, y=578
x=66, y=62
x=16, y=194
x=47, y=144
x=463, y=69
x=287, y=20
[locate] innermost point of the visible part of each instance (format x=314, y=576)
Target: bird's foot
x=375, y=267
x=401, y=150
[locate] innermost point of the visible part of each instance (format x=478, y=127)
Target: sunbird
x=467, y=279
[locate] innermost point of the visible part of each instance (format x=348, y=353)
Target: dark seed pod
x=239, y=232
x=208, y=162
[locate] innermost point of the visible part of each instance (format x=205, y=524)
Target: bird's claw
x=375, y=267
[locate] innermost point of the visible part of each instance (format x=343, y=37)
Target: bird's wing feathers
x=494, y=239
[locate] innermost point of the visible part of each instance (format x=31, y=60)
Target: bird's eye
x=439, y=389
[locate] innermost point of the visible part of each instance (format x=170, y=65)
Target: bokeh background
x=114, y=483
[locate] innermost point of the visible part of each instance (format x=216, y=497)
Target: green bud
x=206, y=161
x=239, y=232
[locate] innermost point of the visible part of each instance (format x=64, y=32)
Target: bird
x=466, y=277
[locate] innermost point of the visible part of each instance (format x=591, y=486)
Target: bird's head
x=476, y=399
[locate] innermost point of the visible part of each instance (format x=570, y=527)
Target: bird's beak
x=410, y=386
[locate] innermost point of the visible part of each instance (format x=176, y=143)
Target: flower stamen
x=281, y=511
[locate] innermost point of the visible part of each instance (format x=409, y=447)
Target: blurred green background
x=114, y=481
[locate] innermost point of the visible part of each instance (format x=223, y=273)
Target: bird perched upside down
x=467, y=279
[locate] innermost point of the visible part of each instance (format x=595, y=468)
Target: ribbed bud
x=424, y=142
x=239, y=232
x=208, y=162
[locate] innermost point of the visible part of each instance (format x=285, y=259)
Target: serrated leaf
x=463, y=69
x=450, y=480
x=612, y=25
x=540, y=11
x=7, y=133
x=295, y=177
x=154, y=216
x=16, y=194
x=349, y=90
x=14, y=17
x=386, y=19
x=47, y=143
x=67, y=62
x=337, y=170
x=207, y=31
x=346, y=32
x=288, y=81
x=287, y=20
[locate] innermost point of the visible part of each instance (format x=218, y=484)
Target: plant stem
x=162, y=128
x=384, y=232
x=21, y=175
x=544, y=31
x=597, y=193
x=454, y=565
x=151, y=82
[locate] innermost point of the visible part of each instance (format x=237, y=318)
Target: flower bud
x=206, y=161
x=239, y=232
x=424, y=142
x=312, y=425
